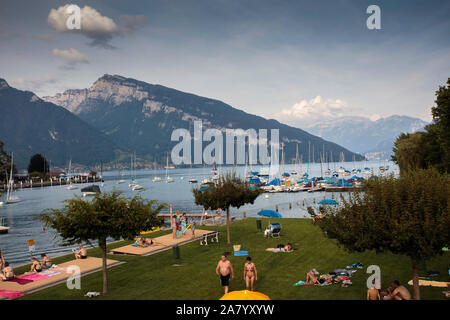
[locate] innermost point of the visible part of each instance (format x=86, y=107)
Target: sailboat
x=120, y=175
x=294, y=172
x=69, y=178
x=10, y=188
x=156, y=179
x=133, y=172
x=168, y=178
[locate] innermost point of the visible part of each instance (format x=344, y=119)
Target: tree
x=38, y=164
x=432, y=147
x=408, y=215
x=228, y=192
x=409, y=151
x=108, y=215
x=5, y=162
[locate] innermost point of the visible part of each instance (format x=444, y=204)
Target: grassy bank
x=155, y=277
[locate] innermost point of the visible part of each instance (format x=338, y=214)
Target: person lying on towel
x=46, y=261
x=35, y=266
x=7, y=273
x=281, y=247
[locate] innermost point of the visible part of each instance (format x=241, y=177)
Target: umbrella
x=270, y=214
x=328, y=201
x=244, y=295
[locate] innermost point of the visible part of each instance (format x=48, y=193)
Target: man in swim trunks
x=81, y=254
x=224, y=267
x=399, y=292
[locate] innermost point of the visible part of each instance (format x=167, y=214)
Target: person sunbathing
x=397, y=292
x=46, y=261
x=282, y=248
x=35, y=266
x=7, y=273
x=311, y=277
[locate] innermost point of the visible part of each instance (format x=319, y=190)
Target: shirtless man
x=399, y=292
x=81, y=254
x=224, y=267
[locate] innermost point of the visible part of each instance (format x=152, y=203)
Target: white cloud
x=98, y=28
x=34, y=84
x=313, y=110
x=71, y=56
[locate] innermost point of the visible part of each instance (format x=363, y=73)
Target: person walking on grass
x=250, y=274
x=224, y=269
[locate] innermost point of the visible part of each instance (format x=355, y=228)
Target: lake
x=21, y=217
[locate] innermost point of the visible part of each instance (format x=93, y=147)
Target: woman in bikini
x=35, y=266
x=250, y=274
x=46, y=261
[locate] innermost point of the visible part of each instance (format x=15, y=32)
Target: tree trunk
x=102, y=244
x=228, y=226
x=416, y=288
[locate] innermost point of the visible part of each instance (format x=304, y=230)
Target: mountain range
x=30, y=125
x=362, y=135
x=118, y=116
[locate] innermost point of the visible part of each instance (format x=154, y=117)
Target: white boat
x=70, y=186
x=168, y=178
x=10, y=186
x=193, y=180
x=137, y=187
x=90, y=190
x=121, y=181
x=156, y=179
x=3, y=228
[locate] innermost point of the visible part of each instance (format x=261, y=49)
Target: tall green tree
x=5, y=162
x=108, y=215
x=430, y=148
x=229, y=191
x=38, y=164
x=408, y=215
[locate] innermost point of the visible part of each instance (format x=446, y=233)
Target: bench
x=213, y=236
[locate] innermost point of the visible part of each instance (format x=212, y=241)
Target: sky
x=296, y=61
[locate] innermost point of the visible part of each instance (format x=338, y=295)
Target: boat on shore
x=90, y=190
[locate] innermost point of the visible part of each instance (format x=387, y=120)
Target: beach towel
x=277, y=251
x=32, y=277
x=240, y=253
x=20, y=281
x=11, y=294
x=303, y=283
x=430, y=283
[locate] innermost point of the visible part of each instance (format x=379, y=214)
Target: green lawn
x=155, y=277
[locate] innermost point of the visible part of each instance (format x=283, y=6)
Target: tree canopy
x=430, y=148
x=407, y=215
x=38, y=164
x=229, y=191
x=108, y=215
x=5, y=162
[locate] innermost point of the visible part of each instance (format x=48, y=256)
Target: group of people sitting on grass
x=7, y=272
x=395, y=292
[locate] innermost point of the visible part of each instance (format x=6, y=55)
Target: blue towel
x=240, y=253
